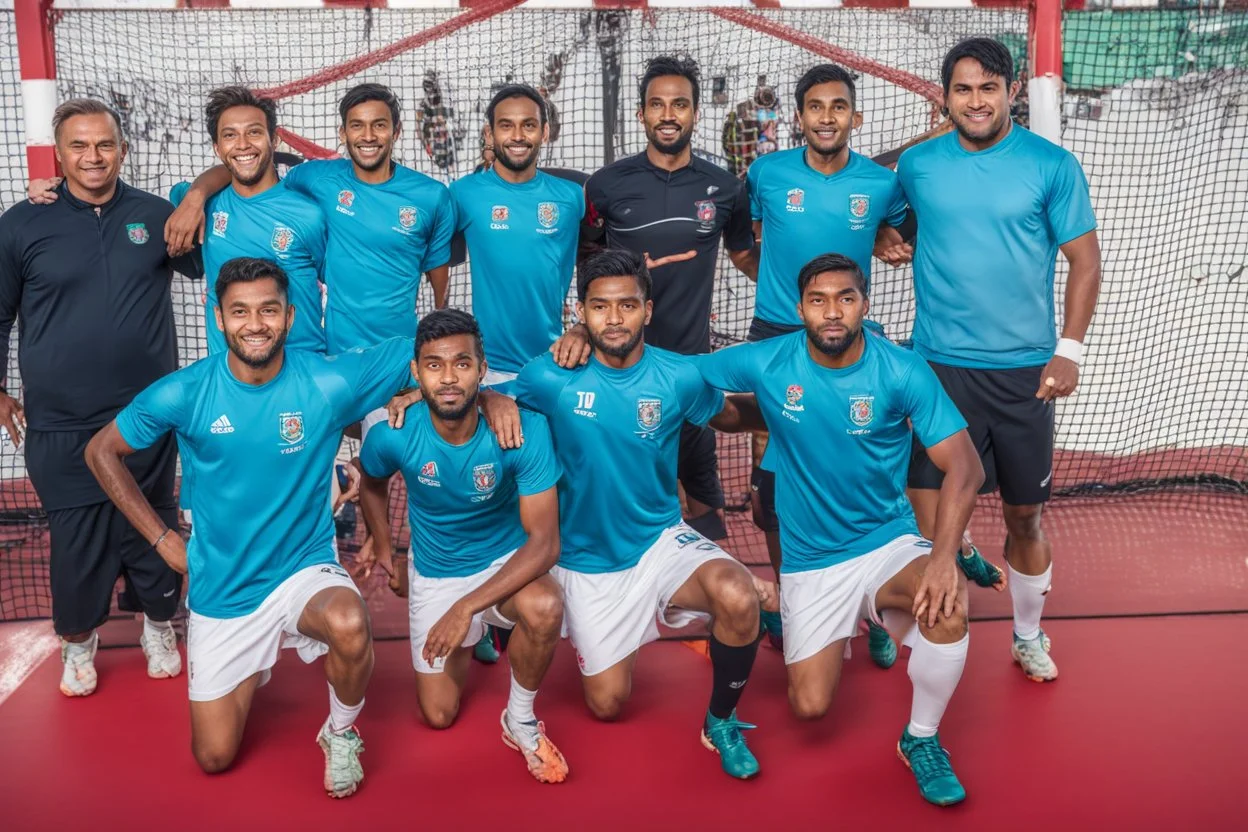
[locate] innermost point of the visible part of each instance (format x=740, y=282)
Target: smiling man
x=88, y=278
x=995, y=204
x=259, y=426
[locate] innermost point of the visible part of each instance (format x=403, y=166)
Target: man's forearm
x=531, y=561
x=740, y=414
x=119, y=484
x=440, y=280
x=953, y=510
x=374, y=505
x=1083, y=286
x=212, y=181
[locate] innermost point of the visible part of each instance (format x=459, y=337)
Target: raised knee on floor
x=606, y=708
x=439, y=717
x=213, y=760
x=809, y=706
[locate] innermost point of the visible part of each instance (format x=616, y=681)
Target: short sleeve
x=727, y=369
x=178, y=193
x=752, y=189
x=904, y=169
x=1069, y=206
x=932, y=413
x=301, y=176
x=371, y=376
x=463, y=218
x=439, y=250
x=897, y=203
x=154, y=412
x=316, y=234
x=537, y=468
x=596, y=207
x=739, y=232
x=700, y=402
x=378, y=453
x=537, y=385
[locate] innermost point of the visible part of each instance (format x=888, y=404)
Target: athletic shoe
x=723, y=736
x=773, y=625
x=545, y=762
x=484, y=650
x=161, y=648
x=78, y=677
x=343, y=772
x=881, y=645
x=1033, y=657
x=929, y=762
x=980, y=571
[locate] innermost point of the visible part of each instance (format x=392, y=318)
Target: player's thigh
x=715, y=584
x=439, y=691
x=974, y=401
x=83, y=568
x=1022, y=428
x=538, y=604
x=217, y=725
x=813, y=680
x=334, y=614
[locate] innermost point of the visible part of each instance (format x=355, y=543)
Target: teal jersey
x=262, y=457
x=522, y=243
x=382, y=238
x=990, y=224
x=806, y=213
x=463, y=501
x=617, y=433
x=278, y=224
x=840, y=440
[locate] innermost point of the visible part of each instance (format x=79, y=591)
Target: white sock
x=342, y=717
x=901, y=625
x=934, y=670
x=1028, y=593
x=520, y=713
x=153, y=629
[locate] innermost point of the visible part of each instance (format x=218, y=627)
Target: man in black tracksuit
x=88, y=279
x=675, y=208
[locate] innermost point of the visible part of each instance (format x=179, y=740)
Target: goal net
x=1156, y=108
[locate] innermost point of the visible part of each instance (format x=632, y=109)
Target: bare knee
x=809, y=704
x=541, y=610
x=439, y=716
x=734, y=602
x=606, y=705
x=213, y=758
x=1022, y=523
x=346, y=624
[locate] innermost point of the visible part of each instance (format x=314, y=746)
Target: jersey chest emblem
x=861, y=410
x=793, y=398
x=547, y=214
x=290, y=427
x=859, y=210
x=346, y=198
x=484, y=478
x=706, y=210
x=499, y=215
x=649, y=413
x=137, y=232
x=407, y=216
x=794, y=201
x=282, y=238
x=220, y=221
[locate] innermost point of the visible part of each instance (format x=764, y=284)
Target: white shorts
x=825, y=605
x=222, y=652
x=428, y=599
x=609, y=615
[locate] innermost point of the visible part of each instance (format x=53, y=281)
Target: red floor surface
x=1143, y=731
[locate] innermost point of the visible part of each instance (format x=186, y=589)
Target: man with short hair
x=259, y=426
x=88, y=276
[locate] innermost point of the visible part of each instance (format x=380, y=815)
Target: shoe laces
x=726, y=733
x=341, y=748
x=928, y=758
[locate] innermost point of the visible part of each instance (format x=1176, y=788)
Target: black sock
x=730, y=670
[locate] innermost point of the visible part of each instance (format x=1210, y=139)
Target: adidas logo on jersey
x=222, y=425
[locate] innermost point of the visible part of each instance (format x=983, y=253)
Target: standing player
x=841, y=404
x=89, y=279
x=995, y=202
x=668, y=204
x=259, y=425
x=521, y=227
x=387, y=224
x=485, y=531
x=628, y=561
x=806, y=201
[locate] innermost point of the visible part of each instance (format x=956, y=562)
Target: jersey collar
x=79, y=205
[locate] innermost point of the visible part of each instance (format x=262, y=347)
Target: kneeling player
x=485, y=532
x=258, y=425
x=840, y=404
x=628, y=561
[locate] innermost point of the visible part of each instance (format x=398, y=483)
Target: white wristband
x=1070, y=348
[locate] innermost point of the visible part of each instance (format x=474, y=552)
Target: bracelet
x=1071, y=349
x=161, y=539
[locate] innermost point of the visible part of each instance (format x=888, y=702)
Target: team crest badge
x=793, y=397
x=220, y=221
x=291, y=427
x=138, y=233
x=859, y=206
x=861, y=410
x=649, y=413
x=483, y=477
x=429, y=469
x=407, y=216
x=282, y=238
x=547, y=214
x=346, y=198
x=795, y=197
x=706, y=209
x=499, y=213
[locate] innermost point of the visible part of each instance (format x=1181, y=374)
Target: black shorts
x=697, y=466
x=1011, y=428
x=92, y=546
x=763, y=483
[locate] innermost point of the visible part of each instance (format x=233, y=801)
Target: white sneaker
x=1033, y=657
x=343, y=772
x=79, y=678
x=160, y=645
